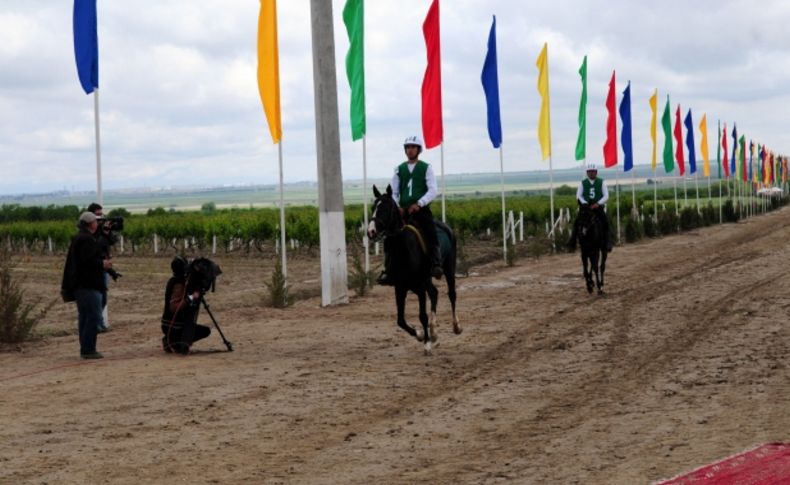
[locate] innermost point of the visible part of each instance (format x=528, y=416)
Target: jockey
x=592, y=191
x=414, y=188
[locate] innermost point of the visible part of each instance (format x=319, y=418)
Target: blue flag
x=733, y=168
x=490, y=81
x=690, y=142
x=86, y=44
x=625, y=133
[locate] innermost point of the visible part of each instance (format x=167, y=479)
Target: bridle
x=391, y=225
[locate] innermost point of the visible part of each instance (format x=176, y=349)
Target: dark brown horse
x=410, y=265
x=593, y=245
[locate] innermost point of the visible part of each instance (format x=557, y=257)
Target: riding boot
x=436, y=263
x=384, y=278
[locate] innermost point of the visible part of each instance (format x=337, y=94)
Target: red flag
x=610, y=146
x=432, y=129
x=679, y=143
x=724, y=162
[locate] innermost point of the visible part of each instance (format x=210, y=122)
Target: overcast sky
x=180, y=104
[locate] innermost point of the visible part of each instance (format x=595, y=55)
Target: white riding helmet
x=591, y=166
x=413, y=140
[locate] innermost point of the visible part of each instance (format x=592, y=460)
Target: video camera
x=202, y=274
x=111, y=223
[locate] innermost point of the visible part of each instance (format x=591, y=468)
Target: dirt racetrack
x=681, y=363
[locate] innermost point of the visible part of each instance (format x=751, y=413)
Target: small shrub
x=667, y=221
x=689, y=219
x=729, y=211
x=633, y=229
x=17, y=317
x=278, y=296
x=649, y=226
x=359, y=280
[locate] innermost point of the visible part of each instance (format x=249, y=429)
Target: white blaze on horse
x=410, y=265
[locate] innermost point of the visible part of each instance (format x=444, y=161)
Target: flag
x=703, y=145
x=752, y=171
x=490, y=81
x=269, y=67
x=86, y=44
x=689, y=123
x=679, y=143
x=544, y=127
x=653, y=103
x=581, y=140
x=766, y=175
x=625, y=133
x=666, y=124
x=354, y=19
x=733, y=166
x=610, y=145
x=718, y=148
x=724, y=161
x=742, y=163
x=432, y=129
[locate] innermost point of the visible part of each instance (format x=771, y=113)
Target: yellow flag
x=703, y=145
x=544, y=123
x=269, y=67
x=653, y=102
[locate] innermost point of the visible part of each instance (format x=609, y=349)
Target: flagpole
x=675, y=184
x=696, y=184
x=444, y=184
x=551, y=192
x=502, y=183
x=685, y=193
x=282, y=214
x=655, y=197
x=99, y=193
x=720, y=203
x=617, y=192
x=710, y=188
x=365, y=240
x=633, y=190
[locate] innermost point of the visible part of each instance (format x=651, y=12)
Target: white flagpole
x=551, y=191
x=710, y=196
x=282, y=214
x=617, y=192
x=675, y=184
x=502, y=183
x=655, y=197
x=444, y=184
x=365, y=241
x=99, y=193
x=633, y=191
x=685, y=193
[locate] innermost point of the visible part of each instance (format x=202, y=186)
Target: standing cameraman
x=179, y=317
x=83, y=277
x=106, y=240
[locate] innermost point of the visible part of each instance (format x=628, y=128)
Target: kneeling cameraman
x=179, y=318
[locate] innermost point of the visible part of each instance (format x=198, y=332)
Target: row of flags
x=768, y=167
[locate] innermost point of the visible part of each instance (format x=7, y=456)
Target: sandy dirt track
x=681, y=363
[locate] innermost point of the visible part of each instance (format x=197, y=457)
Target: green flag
x=581, y=141
x=666, y=124
x=353, y=17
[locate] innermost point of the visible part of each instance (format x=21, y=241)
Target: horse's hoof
x=457, y=328
x=427, y=351
x=419, y=335
x=600, y=292
x=589, y=290
x=432, y=331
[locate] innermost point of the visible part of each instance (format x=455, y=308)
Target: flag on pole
x=733, y=165
x=666, y=124
x=690, y=142
x=625, y=133
x=653, y=104
x=725, y=162
x=354, y=19
x=269, y=67
x=86, y=44
x=752, y=171
x=679, y=143
x=703, y=145
x=544, y=125
x=742, y=164
x=610, y=145
x=490, y=80
x=581, y=140
x=432, y=129
x=718, y=148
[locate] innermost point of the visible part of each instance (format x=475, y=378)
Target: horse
x=593, y=247
x=410, y=265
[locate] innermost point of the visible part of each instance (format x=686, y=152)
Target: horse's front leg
x=433, y=295
x=400, y=301
x=424, y=320
x=595, y=271
x=587, y=276
x=603, y=269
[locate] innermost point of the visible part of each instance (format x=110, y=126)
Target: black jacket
x=84, y=264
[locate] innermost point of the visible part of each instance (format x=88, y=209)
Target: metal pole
x=99, y=193
x=551, y=195
x=502, y=183
x=282, y=214
x=444, y=184
x=617, y=191
x=365, y=240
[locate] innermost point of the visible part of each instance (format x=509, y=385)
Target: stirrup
x=436, y=272
x=384, y=279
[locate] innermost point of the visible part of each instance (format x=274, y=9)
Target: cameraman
x=179, y=318
x=106, y=240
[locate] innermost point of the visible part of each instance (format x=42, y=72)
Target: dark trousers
x=89, y=317
x=179, y=336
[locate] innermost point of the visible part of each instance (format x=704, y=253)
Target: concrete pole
x=334, y=272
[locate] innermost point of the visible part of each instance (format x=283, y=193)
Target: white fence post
x=376, y=248
x=156, y=244
x=214, y=244
x=121, y=242
x=521, y=226
x=49, y=244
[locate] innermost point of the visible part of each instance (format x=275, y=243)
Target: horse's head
x=386, y=216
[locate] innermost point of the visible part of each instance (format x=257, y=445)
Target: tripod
x=216, y=325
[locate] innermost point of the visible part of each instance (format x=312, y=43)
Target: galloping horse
x=410, y=264
x=593, y=246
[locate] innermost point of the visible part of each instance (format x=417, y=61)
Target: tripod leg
x=216, y=325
